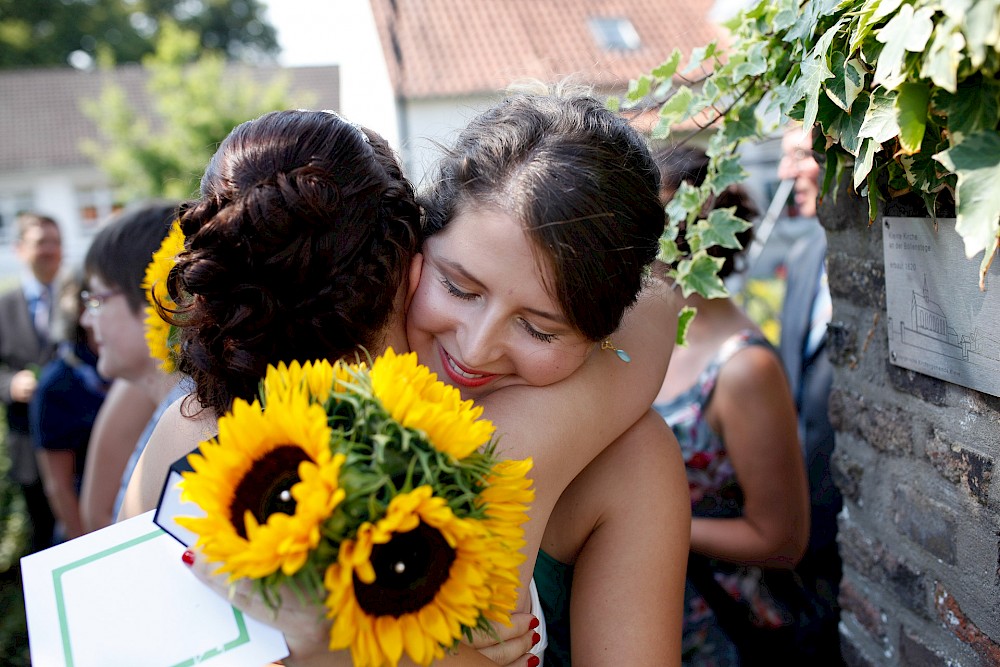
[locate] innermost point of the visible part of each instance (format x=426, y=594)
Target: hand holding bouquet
x=377, y=492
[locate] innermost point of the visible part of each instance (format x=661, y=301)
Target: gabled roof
x=42, y=123
x=440, y=48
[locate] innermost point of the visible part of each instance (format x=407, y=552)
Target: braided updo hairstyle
x=295, y=250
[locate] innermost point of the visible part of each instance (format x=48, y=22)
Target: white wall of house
x=366, y=94
x=62, y=193
x=430, y=122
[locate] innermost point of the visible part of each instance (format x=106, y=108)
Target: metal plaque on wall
x=940, y=322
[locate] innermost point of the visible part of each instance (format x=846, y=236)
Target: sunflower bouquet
x=375, y=491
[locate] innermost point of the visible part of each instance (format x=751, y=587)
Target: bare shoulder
x=176, y=434
x=755, y=367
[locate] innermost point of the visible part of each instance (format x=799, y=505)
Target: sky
x=306, y=31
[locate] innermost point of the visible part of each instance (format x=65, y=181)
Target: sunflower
x=417, y=400
x=506, y=498
x=267, y=483
x=159, y=332
x=409, y=582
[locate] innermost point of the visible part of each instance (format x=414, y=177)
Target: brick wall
x=920, y=530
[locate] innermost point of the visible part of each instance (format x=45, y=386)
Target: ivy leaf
x=668, y=67
x=699, y=55
x=870, y=14
x=844, y=127
x=880, y=119
x=754, y=65
x=728, y=171
x=843, y=89
x=686, y=203
x=976, y=163
x=911, y=113
x=720, y=229
x=669, y=253
x=981, y=26
x=814, y=73
x=788, y=11
x=873, y=195
x=683, y=322
x=675, y=109
x=974, y=106
x=742, y=126
x=943, y=58
x=863, y=165
x=701, y=274
x=906, y=31
x=639, y=88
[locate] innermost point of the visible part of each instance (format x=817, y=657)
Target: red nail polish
x=188, y=557
x=535, y=638
x=533, y=624
x=533, y=661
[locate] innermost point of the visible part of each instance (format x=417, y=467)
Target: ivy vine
x=904, y=93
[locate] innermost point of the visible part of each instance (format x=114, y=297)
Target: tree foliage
x=193, y=103
x=48, y=32
x=905, y=95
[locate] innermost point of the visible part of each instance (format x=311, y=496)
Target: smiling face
x=481, y=316
x=118, y=334
x=798, y=163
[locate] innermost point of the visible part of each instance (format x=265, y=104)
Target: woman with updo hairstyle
x=277, y=267
x=253, y=258
x=727, y=400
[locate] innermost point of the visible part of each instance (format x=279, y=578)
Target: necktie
x=43, y=307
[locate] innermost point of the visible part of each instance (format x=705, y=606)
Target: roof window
x=614, y=33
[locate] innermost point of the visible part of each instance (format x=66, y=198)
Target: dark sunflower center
x=267, y=486
x=409, y=570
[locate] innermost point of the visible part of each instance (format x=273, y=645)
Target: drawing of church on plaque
x=939, y=322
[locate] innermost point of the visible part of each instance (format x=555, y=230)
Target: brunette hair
x=581, y=181
x=28, y=220
x=684, y=164
x=303, y=234
x=122, y=250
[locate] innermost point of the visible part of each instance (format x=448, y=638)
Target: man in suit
x=806, y=312
x=25, y=314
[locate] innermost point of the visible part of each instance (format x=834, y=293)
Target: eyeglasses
x=93, y=302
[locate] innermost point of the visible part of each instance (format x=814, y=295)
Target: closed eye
x=535, y=333
x=456, y=292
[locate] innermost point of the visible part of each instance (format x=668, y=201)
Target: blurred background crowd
x=112, y=114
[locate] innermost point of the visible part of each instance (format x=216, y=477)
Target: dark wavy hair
x=303, y=234
x=581, y=181
x=685, y=164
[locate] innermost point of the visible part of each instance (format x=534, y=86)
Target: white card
x=121, y=597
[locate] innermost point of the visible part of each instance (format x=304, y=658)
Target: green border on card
x=242, y=638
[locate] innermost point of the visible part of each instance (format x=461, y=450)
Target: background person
x=62, y=412
x=115, y=300
x=806, y=312
x=25, y=345
x=727, y=400
x=122, y=418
